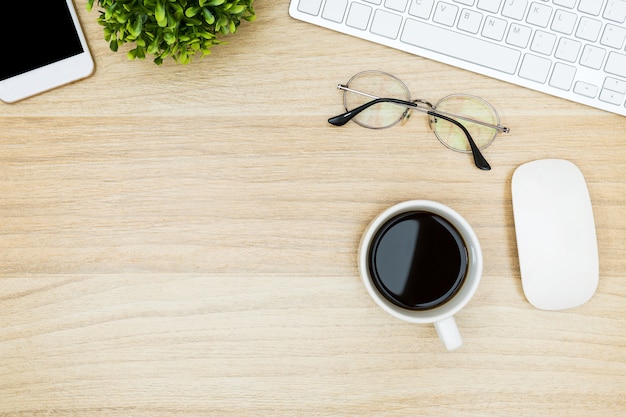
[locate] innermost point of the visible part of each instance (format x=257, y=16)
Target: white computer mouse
x=556, y=234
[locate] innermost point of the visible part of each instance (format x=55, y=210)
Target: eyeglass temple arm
x=479, y=159
x=342, y=119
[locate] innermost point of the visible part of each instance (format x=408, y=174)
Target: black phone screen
x=35, y=35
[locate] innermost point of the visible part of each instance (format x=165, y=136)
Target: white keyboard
x=574, y=49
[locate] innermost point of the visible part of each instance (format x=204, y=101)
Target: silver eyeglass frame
x=423, y=106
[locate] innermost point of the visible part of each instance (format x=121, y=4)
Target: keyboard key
x=539, y=15
x=445, y=13
x=564, y=22
x=474, y=50
x=310, y=6
x=615, y=11
x=359, y=16
x=494, y=28
x=585, y=89
x=470, y=21
x=589, y=29
x=489, y=5
x=590, y=6
x=514, y=9
x=386, y=24
x=543, y=42
x=612, y=97
x=334, y=10
x=616, y=64
x=562, y=76
x=518, y=35
x=565, y=3
x=535, y=68
x=397, y=5
x=614, y=84
x=421, y=8
x=592, y=57
x=567, y=50
x=613, y=36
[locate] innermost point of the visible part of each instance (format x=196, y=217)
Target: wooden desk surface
x=181, y=241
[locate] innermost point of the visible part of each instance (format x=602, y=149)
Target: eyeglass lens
x=376, y=84
x=469, y=106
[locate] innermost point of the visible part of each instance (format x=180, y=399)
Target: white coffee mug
x=442, y=316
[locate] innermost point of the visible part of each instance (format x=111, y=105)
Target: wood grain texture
x=181, y=241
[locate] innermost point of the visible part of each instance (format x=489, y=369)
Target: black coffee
x=418, y=260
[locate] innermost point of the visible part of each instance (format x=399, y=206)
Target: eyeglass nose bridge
x=407, y=113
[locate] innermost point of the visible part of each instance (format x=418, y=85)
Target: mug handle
x=449, y=333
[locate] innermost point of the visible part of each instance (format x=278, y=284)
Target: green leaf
x=153, y=48
x=159, y=14
x=136, y=29
x=169, y=38
x=179, y=12
x=223, y=23
x=208, y=16
x=192, y=11
x=237, y=9
x=108, y=12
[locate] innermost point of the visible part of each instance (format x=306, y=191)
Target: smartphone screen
x=40, y=35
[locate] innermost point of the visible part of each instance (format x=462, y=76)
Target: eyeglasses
x=461, y=122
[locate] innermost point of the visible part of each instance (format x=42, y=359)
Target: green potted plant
x=181, y=29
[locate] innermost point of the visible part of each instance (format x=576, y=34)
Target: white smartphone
x=44, y=48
